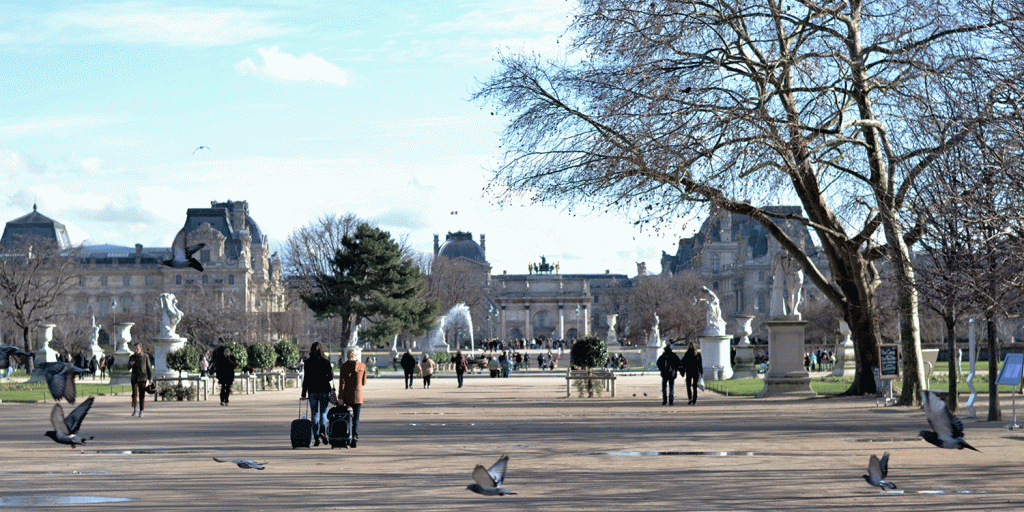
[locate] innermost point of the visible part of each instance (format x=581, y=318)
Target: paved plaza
x=417, y=449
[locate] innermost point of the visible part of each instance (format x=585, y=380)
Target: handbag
x=151, y=388
x=332, y=397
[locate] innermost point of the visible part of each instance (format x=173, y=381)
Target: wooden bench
x=601, y=374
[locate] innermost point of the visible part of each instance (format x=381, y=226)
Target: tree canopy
x=369, y=279
x=665, y=106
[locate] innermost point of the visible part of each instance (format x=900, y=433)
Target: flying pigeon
x=181, y=253
x=488, y=481
x=60, y=378
x=949, y=430
x=65, y=430
x=6, y=351
x=877, y=469
x=201, y=147
x=244, y=463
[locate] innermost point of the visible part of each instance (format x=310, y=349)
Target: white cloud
x=155, y=22
x=278, y=65
x=58, y=124
x=92, y=164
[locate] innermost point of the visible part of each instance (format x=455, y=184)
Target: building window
x=103, y=280
x=127, y=280
x=231, y=279
x=81, y=280
x=760, y=276
x=204, y=256
x=177, y=279
x=149, y=280
x=206, y=279
x=716, y=262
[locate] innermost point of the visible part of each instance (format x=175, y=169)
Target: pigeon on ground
x=949, y=430
x=201, y=147
x=60, y=378
x=181, y=253
x=6, y=351
x=877, y=469
x=488, y=481
x=65, y=430
x=243, y=463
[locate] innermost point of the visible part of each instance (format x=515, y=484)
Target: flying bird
x=60, y=378
x=201, y=147
x=6, y=351
x=488, y=481
x=181, y=253
x=948, y=429
x=65, y=430
x=877, y=469
x=244, y=463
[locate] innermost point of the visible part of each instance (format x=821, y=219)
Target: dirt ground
x=418, y=446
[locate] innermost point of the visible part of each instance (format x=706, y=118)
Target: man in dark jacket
x=409, y=367
x=668, y=364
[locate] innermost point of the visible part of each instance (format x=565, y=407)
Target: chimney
x=437, y=244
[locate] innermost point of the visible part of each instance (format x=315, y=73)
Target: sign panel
x=1010, y=374
x=888, y=361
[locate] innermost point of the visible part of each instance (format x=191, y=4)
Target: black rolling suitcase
x=339, y=426
x=302, y=429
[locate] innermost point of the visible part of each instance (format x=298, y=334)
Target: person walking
x=225, y=367
x=351, y=379
x=142, y=372
x=461, y=366
x=427, y=366
x=668, y=365
x=409, y=367
x=316, y=382
x=204, y=364
x=693, y=366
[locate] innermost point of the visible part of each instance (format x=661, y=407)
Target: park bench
x=601, y=374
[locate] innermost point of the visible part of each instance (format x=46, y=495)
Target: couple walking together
x=691, y=366
x=317, y=384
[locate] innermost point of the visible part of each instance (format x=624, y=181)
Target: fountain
x=436, y=339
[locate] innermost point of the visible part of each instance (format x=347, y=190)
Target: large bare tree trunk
x=954, y=362
x=994, y=414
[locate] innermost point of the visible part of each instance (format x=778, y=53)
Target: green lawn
x=22, y=392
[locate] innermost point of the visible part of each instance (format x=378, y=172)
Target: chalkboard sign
x=1013, y=367
x=888, y=361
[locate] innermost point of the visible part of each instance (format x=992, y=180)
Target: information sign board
x=888, y=361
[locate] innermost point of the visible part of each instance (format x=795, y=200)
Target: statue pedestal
x=845, y=366
x=715, y=354
x=162, y=347
x=119, y=372
x=786, y=373
x=745, y=367
x=45, y=354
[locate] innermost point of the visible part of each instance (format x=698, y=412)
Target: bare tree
x=35, y=277
x=669, y=105
x=672, y=298
x=308, y=250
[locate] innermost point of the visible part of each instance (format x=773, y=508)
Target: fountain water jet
x=459, y=313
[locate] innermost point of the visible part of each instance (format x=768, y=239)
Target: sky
x=307, y=109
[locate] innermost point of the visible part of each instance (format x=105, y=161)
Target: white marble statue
x=787, y=284
x=353, y=340
x=715, y=323
x=613, y=336
x=654, y=338
x=171, y=315
x=94, y=336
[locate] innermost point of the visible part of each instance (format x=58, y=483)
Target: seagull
x=949, y=430
x=877, y=469
x=244, y=463
x=181, y=253
x=6, y=351
x=488, y=481
x=65, y=430
x=201, y=147
x=60, y=378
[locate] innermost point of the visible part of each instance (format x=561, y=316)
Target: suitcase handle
x=301, y=402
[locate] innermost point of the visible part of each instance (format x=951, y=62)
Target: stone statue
x=787, y=284
x=94, y=337
x=353, y=340
x=715, y=323
x=613, y=336
x=171, y=315
x=654, y=338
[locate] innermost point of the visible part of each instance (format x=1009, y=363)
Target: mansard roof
x=38, y=225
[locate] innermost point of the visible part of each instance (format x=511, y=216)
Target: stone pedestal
x=162, y=347
x=715, y=354
x=786, y=373
x=745, y=366
x=119, y=372
x=45, y=354
x=845, y=365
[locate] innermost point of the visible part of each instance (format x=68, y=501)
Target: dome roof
x=461, y=245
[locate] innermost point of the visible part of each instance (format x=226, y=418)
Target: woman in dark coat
x=461, y=365
x=226, y=365
x=693, y=366
x=316, y=381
